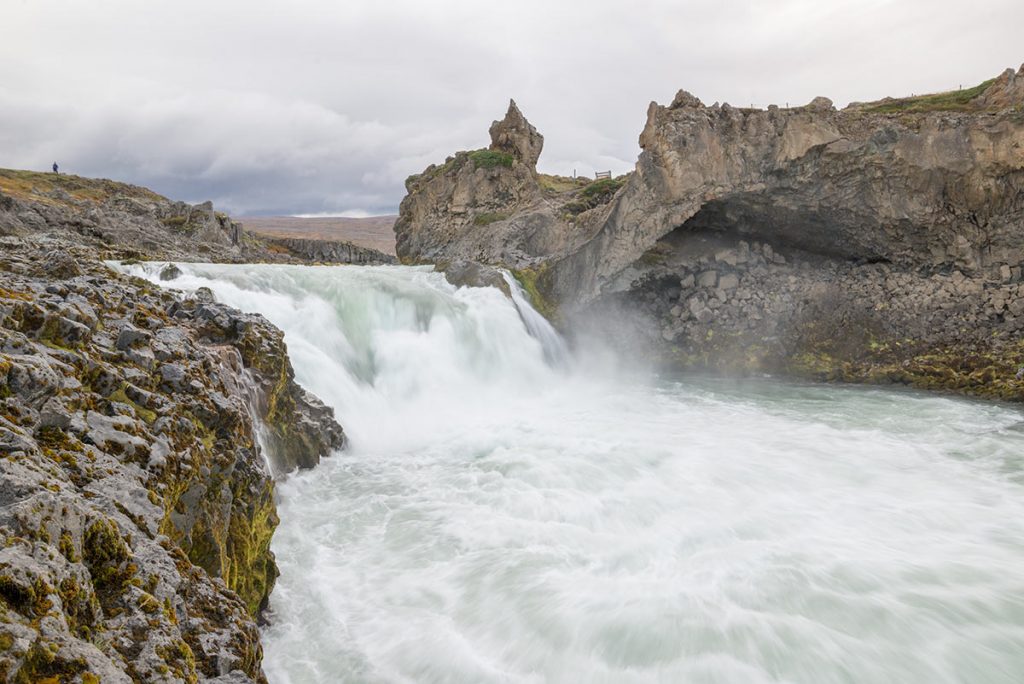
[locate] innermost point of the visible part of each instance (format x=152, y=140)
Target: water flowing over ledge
x=498, y=518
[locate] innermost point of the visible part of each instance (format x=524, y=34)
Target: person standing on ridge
x=55, y=168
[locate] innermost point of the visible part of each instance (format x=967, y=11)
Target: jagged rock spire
x=516, y=136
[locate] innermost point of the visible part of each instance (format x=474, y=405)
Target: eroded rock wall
x=881, y=243
x=921, y=189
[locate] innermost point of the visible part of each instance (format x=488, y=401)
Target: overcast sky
x=325, y=106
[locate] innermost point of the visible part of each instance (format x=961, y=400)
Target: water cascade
x=501, y=516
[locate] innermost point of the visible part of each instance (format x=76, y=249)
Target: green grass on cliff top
x=51, y=188
x=953, y=100
x=489, y=159
x=560, y=184
x=595, y=194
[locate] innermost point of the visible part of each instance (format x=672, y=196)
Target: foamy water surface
x=500, y=518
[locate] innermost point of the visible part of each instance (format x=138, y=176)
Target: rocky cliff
x=126, y=221
x=486, y=205
x=881, y=242
x=328, y=251
x=120, y=219
x=138, y=431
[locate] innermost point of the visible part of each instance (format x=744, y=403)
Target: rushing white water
x=501, y=519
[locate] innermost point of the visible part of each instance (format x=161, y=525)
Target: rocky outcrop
x=329, y=251
x=486, y=205
x=880, y=242
x=125, y=220
x=136, y=502
x=937, y=189
x=462, y=273
x=298, y=428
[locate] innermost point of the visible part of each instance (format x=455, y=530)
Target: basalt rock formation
x=138, y=432
x=881, y=242
x=328, y=251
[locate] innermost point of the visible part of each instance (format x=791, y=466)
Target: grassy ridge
x=952, y=100
x=560, y=184
x=46, y=187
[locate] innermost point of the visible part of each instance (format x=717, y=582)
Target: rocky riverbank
x=138, y=431
x=878, y=243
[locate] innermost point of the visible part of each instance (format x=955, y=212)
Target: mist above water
x=504, y=517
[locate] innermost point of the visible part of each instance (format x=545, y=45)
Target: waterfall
x=503, y=516
x=382, y=344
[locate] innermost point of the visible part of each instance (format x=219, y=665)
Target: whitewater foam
x=503, y=518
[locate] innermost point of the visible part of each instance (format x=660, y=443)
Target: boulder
x=61, y=264
x=466, y=273
x=728, y=281
x=170, y=272
x=707, y=279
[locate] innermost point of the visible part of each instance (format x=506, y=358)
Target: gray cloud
x=315, y=106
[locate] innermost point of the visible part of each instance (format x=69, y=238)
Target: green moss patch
x=451, y=165
x=45, y=664
x=106, y=556
x=491, y=159
x=536, y=283
x=983, y=369
x=121, y=397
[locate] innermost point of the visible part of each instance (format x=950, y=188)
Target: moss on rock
x=536, y=283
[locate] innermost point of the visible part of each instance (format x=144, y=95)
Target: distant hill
x=375, y=232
